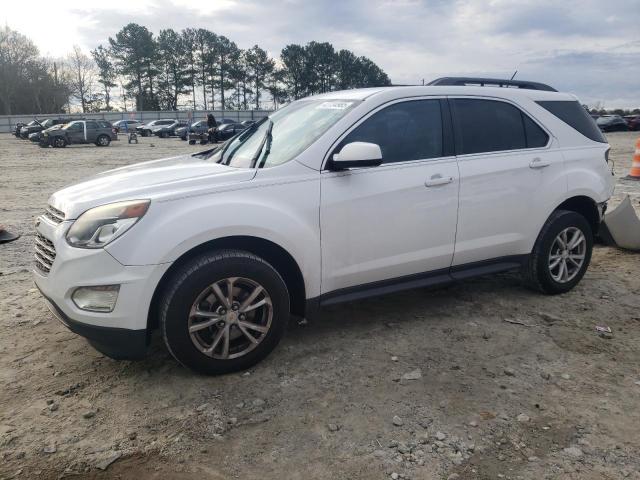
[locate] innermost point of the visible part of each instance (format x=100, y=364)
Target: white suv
x=333, y=198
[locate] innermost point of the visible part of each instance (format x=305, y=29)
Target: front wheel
x=59, y=142
x=224, y=311
x=562, y=253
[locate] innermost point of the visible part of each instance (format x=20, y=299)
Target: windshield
x=276, y=139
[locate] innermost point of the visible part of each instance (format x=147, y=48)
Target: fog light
x=96, y=299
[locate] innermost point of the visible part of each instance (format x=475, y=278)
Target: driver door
x=76, y=132
x=388, y=225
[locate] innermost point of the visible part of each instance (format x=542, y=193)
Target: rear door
x=92, y=131
x=511, y=176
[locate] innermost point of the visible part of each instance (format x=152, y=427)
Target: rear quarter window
x=574, y=115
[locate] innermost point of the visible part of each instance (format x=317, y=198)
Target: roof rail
x=492, y=82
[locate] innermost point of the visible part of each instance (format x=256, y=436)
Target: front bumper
x=117, y=343
x=121, y=333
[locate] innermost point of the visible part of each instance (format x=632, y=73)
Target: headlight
x=97, y=227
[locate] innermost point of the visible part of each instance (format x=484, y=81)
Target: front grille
x=53, y=214
x=45, y=254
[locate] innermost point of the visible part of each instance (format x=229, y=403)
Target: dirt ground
x=427, y=384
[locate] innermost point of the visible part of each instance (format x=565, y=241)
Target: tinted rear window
x=536, y=137
x=493, y=126
x=487, y=126
x=574, y=115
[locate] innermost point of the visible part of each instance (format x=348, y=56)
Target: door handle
x=438, y=179
x=539, y=163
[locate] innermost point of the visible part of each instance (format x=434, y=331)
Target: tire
x=192, y=142
x=190, y=289
x=184, y=139
x=164, y=135
x=58, y=142
x=103, y=141
x=539, y=272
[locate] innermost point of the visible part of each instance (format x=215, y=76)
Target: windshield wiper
x=266, y=142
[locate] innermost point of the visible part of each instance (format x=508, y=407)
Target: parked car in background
x=612, y=123
x=126, y=125
x=165, y=131
x=40, y=126
x=228, y=130
x=17, y=128
x=145, y=129
x=333, y=198
x=23, y=128
x=224, y=121
x=99, y=132
x=198, y=127
x=633, y=122
x=248, y=123
x=36, y=136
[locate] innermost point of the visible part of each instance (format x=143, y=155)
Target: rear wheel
x=103, y=141
x=561, y=254
x=224, y=312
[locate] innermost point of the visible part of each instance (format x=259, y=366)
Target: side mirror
x=357, y=154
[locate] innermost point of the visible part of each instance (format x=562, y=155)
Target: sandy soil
x=546, y=398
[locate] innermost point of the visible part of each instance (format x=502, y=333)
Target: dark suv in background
x=612, y=123
x=99, y=132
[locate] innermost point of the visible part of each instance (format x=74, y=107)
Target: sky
x=587, y=47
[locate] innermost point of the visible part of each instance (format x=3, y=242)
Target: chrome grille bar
x=45, y=253
x=53, y=214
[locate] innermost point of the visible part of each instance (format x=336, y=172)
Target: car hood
x=158, y=179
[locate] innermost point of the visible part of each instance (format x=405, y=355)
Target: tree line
x=191, y=68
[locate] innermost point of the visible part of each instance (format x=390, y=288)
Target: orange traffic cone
x=634, y=174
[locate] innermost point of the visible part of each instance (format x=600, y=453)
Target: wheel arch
x=271, y=252
x=585, y=206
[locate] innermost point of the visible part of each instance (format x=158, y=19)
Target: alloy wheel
x=567, y=255
x=230, y=318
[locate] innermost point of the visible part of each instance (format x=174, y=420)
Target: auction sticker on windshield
x=334, y=105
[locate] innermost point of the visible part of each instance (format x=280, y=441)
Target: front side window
x=283, y=135
x=74, y=126
x=404, y=131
